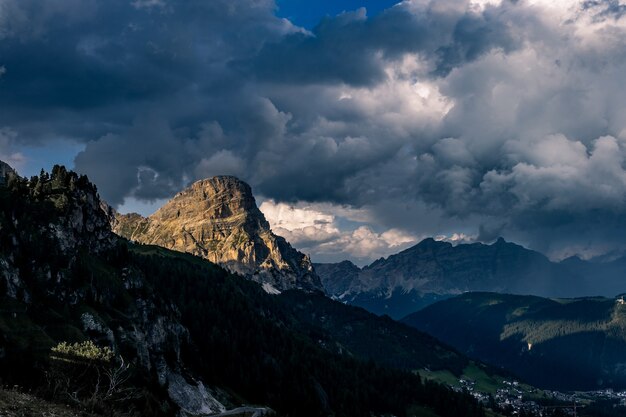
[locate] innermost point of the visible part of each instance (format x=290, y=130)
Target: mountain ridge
x=433, y=270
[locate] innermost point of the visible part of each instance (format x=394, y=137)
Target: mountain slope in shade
x=432, y=270
x=218, y=219
x=337, y=278
x=602, y=276
x=360, y=333
x=185, y=325
x=564, y=344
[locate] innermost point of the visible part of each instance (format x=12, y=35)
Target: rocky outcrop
x=59, y=215
x=83, y=225
x=218, y=219
x=192, y=397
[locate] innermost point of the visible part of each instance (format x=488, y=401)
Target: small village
x=515, y=399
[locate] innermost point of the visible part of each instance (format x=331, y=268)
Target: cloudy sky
x=362, y=126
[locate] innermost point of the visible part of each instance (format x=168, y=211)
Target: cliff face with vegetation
x=217, y=219
x=190, y=338
x=65, y=277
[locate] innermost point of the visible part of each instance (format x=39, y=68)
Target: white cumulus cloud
x=316, y=229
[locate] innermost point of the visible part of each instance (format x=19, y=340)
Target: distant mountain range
x=433, y=270
x=565, y=344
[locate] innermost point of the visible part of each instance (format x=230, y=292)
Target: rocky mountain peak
x=4, y=166
x=222, y=198
x=75, y=216
x=5, y=172
x=430, y=244
x=218, y=219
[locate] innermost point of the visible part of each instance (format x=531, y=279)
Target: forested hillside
x=181, y=328
x=562, y=344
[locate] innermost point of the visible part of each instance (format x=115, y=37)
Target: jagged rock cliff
x=218, y=219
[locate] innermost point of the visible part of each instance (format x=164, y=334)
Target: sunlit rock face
x=218, y=219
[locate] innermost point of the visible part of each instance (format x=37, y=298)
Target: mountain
x=60, y=283
x=358, y=332
x=564, y=344
x=602, y=276
x=432, y=271
x=218, y=219
x=337, y=278
x=5, y=172
x=90, y=319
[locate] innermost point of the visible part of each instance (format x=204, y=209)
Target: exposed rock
x=86, y=226
x=218, y=219
x=192, y=397
x=91, y=324
x=14, y=285
x=5, y=173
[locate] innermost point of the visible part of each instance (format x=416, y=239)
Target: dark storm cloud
x=100, y=56
x=348, y=48
x=492, y=118
x=103, y=58
x=97, y=72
